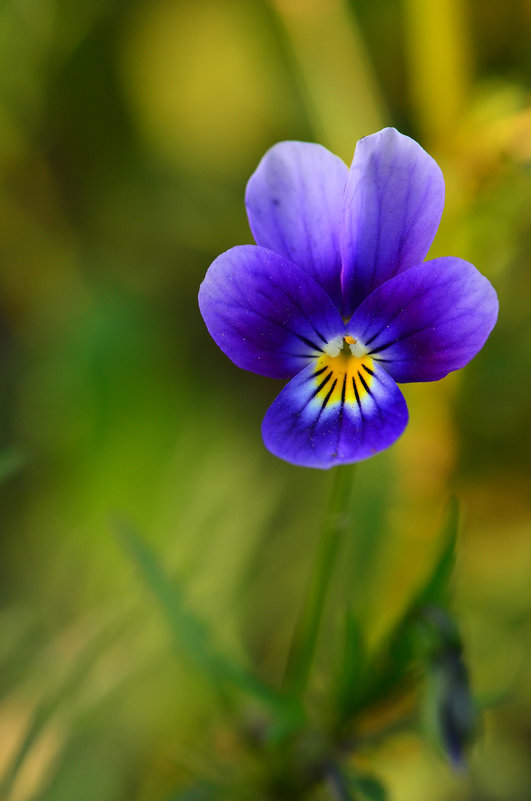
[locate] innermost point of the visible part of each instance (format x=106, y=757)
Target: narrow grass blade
x=391, y=666
x=340, y=89
x=190, y=634
x=436, y=588
x=353, y=667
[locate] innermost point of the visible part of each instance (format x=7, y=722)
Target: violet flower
x=336, y=297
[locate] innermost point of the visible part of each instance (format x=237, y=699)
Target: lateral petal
x=335, y=411
x=393, y=204
x=427, y=321
x=294, y=202
x=265, y=313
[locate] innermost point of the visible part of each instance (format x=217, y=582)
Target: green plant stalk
x=338, y=521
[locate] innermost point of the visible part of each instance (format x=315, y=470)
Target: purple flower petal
x=337, y=410
x=294, y=203
x=393, y=204
x=265, y=313
x=428, y=320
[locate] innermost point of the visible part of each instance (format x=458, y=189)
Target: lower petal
x=336, y=411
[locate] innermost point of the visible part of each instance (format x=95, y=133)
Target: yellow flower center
x=341, y=375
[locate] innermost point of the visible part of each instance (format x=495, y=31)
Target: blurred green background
x=127, y=133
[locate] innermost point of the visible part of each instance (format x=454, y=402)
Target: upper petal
x=265, y=313
x=393, y=204
x=294, y=202
x=335, y=414
x=428, y=320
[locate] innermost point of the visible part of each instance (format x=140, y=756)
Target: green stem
x=337, y=522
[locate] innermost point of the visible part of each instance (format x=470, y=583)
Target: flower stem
x=338, y=520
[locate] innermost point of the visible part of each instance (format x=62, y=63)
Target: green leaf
x=435, y=589
x=191, y=635
x=353, y=666
x=391, y=666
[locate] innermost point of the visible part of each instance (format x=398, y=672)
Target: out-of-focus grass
x=127, y=132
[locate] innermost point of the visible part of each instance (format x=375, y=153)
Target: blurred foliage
x=127, y=133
